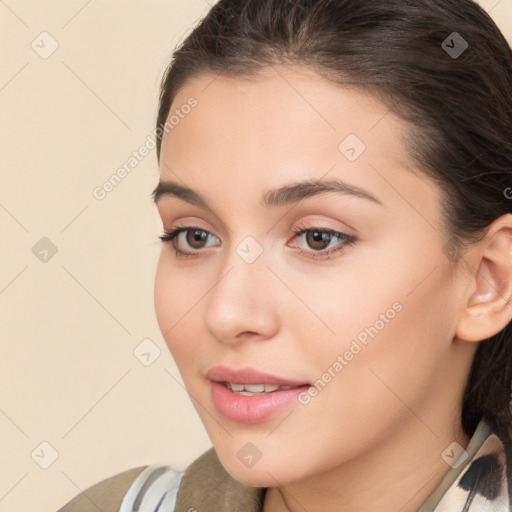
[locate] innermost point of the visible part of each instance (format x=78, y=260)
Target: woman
x=336, y=269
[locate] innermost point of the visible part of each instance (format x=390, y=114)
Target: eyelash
x=349, y=240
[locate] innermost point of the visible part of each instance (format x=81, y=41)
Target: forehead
x=281, y=106
x=280, y=96
x=286, y=124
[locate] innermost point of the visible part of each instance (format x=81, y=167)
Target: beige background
x=69, y=325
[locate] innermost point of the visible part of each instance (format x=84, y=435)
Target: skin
x=372, y=438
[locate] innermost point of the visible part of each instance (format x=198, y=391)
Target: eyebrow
x=285, y=195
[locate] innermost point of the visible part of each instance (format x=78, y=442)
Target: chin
x=256, y=478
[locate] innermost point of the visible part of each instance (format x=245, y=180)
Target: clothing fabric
x=105, y=495
x=154, y=489
x=478, y=479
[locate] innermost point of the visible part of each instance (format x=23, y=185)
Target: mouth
x=256, y=389
x=250, y=396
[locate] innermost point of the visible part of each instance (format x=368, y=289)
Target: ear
x=489, y=307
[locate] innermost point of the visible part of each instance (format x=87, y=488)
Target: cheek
x=175, y=293
x=338, y=308
x=376, y=384
x=177, y=307
x=393, y=325
x=163, y=296
x=168, y=301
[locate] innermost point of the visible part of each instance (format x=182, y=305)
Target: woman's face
x=368, y=315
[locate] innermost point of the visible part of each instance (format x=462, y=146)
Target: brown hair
x=404, y=51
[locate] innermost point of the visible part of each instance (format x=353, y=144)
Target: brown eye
x=188, y=241
x=317, y=239
x=196, y=238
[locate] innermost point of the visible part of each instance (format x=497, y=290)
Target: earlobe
x=489, y=307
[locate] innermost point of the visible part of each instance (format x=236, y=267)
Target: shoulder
x=161, y=487
x=104, y=495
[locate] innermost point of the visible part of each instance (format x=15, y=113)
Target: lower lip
x=252, y=409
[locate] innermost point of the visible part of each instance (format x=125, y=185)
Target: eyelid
x=323, y=223
x=175, y=231
x=171, y=208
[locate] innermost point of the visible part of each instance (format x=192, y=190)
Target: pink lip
x=250, y=409
x=248, y=376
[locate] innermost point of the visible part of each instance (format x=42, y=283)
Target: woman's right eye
x=193, y=237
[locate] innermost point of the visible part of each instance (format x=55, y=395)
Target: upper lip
x=248, y=375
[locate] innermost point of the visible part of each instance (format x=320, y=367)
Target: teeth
x=255, y=388
x=251, y=389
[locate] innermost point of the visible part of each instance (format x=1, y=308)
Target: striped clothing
x=154, y=490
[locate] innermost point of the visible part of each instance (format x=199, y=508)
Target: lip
x=248, y=375
x=251, y=409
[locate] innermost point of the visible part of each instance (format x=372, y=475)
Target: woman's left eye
x=318, y=239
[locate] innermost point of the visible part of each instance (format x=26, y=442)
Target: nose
x=241, y=304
